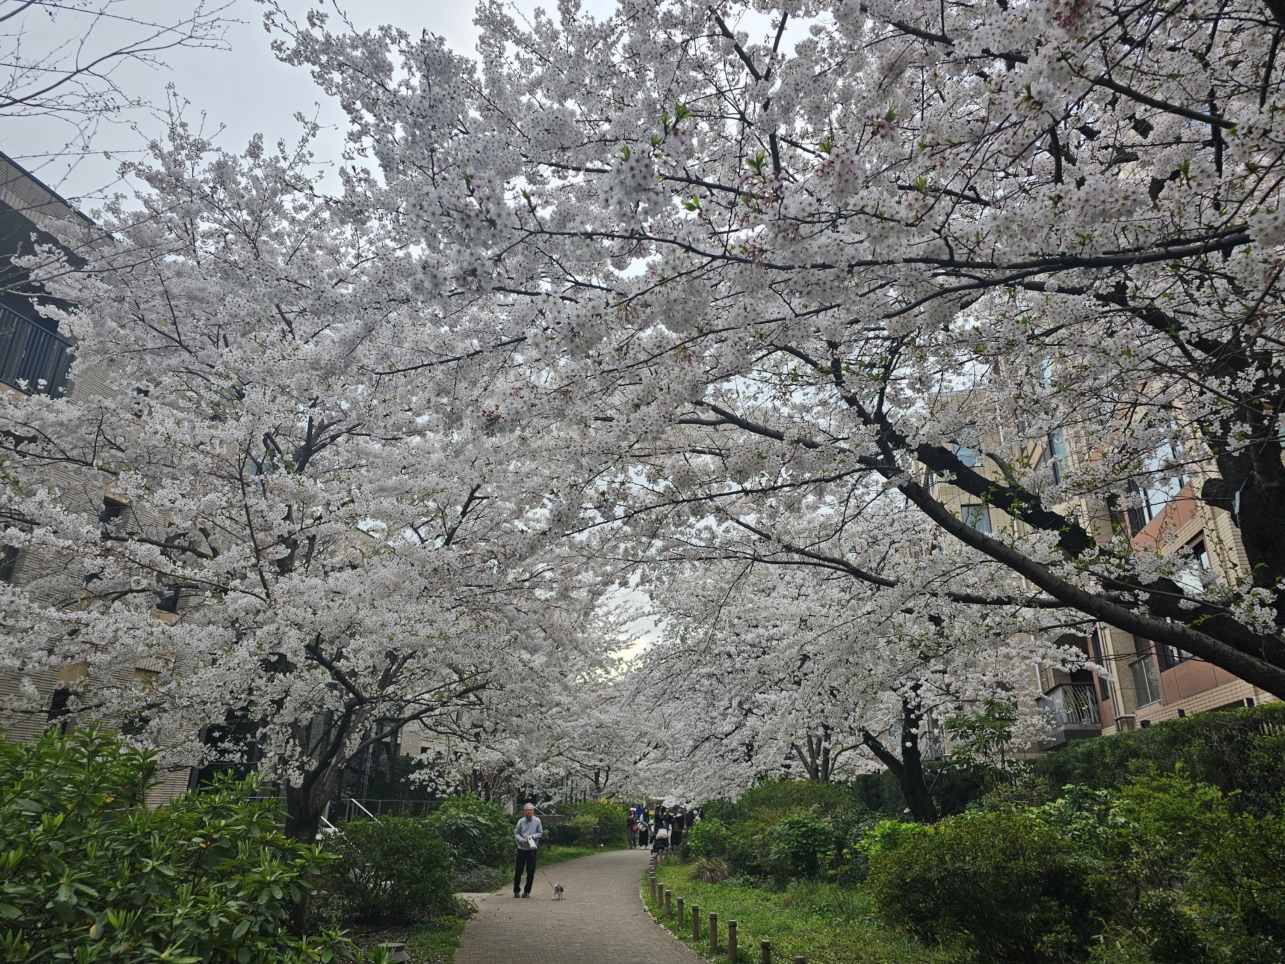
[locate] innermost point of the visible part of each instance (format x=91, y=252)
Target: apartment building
x=1146, y=682
x=35, y=359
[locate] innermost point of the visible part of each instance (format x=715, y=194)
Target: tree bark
x=909, y=768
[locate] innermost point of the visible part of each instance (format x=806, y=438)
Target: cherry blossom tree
x=771, y=669
x=276, y=511
x=761, y=253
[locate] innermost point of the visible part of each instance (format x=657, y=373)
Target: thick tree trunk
x=909, y=768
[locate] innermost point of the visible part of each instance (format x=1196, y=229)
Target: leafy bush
x=1240, y=752
x=1010, y=884
x=564, y=834
x=390, y=870
x=704, y=839
x=753, y=845
x=477, y=832
x=610, y=817
x=475, y=879
x=1162, y=871
x=771, y=801
x=87, y=872
x=798, y=845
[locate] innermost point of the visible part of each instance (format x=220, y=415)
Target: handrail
x=33, y=359
x=1071, y=703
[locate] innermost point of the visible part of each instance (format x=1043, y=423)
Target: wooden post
x=800, y=960
x=669, y=903
x=766, y=949
x=713, y=933
x=731, y=941
x=682, y=919
x=696, y=922
x=652, y=878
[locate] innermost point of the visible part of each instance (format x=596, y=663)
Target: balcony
x=33, y=359
x=1072, y=711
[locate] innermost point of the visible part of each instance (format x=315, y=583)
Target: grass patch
x=554, y=854
x=825, y=923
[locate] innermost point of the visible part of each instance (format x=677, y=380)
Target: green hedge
x=1159, y=871
x=88, y=872
x=1239, y=751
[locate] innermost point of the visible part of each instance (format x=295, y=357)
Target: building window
x=1191, y=581
x=1057, y=453
x=1157, y=493
x=968, y=450
x=1146, y=680
x=1098, y=655
x=111, y=512
x=8, y=562
x=1171, y=656
x=976, y=517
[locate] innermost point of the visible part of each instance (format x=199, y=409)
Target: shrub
x=1011, y=885
x=1240, y=752
x=710, y=870
x=477, y=832
x=476, y=879
x=798, y=845
x=87, y=872
x=610, y=817
x=704, y=839
x=390, y=870
x=771, y=801
x=564, y=834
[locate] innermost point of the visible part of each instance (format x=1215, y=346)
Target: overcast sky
x=245, y=90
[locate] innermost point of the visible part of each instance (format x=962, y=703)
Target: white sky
x=244, y=91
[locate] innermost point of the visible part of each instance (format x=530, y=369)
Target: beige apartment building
x=35, y=359
x=1146, y=682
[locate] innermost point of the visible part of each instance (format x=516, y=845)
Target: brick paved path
x=601, y=921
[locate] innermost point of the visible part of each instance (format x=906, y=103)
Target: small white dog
x=558, y=891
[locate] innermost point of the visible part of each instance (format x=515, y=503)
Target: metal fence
x=1071, y=703
x=33, y=359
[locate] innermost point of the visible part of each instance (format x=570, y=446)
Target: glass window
x=1057, y=444
x=1189, y=580
x=968, y=450
x=976, y=517
x=1171, y=656
x=1146, y=680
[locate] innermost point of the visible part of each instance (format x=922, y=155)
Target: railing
x=1071, y=703
x=33, y=360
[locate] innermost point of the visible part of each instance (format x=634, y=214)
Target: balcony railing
x=1072, y=703
x=33, y=360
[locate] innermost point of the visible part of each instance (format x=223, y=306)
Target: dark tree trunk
x=909, y=768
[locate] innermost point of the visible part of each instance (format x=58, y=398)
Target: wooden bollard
x=696, y=922
x=731, y=941
x=800, y=960
x=681, y=918
x=669, y=903
x=652, y=878
x=765, y=948
x=713, y=933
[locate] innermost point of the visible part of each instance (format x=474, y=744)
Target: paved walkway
x=601, y=921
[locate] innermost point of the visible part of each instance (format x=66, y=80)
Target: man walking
x=528, y=833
